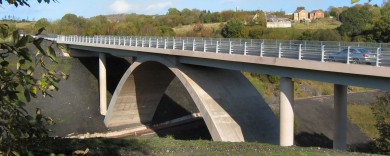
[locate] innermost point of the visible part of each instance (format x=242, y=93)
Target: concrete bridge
x=210, y=70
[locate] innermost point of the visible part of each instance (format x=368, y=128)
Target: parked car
x=357, y=55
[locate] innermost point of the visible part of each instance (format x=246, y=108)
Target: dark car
x=356, y=54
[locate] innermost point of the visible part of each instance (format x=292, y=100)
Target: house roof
x=316, y=11
x=298, y=11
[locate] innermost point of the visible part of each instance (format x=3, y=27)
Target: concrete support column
x=286, y=111
x=340, y=109
x=102, y=84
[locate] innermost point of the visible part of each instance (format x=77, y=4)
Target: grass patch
x=325, y=23
x=169, y=146
x=184, y=29
x=362, y=116
x=261, y=82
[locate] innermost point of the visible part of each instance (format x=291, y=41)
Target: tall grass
x=362, y=116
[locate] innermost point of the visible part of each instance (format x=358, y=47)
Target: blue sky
x=90, y=8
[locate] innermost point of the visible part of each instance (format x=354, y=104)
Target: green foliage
x=321, y=35
x=381, y=29
x=19, y=82
x=232, y=29
x=259, y=32
x=300, y=8
x=41, y=23
x=362, y=116
x=98, y=25
x=165, y=31
x=381, y=110
x=356, y=20
x=71, y=24
x=24, y=2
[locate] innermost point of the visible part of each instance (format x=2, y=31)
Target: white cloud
x=159, y=6
x=121, y=6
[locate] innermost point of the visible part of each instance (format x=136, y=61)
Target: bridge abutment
x=340, y=108
x=286, y=111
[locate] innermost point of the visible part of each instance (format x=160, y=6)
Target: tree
x=300, y=8
x=20, y=56
x=173, y=11
x=356, y=20
x=381, y=110
x=41, y=23
x=71, y=24
x=24, y=2
x=232, y=29
x=381, y=29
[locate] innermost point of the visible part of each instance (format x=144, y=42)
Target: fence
x=379, y=53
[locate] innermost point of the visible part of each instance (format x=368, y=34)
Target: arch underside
x=231, y=107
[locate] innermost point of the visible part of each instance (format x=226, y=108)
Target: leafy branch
x=24, y=74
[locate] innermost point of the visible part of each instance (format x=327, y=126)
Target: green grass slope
x=169, y=146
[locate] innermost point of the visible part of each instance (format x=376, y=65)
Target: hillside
x=325, y=23
x=184, y=29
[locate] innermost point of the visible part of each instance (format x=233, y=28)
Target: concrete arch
x=232, y=108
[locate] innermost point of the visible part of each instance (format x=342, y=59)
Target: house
x=300, y=15
x=277, y=22
x=316, y=14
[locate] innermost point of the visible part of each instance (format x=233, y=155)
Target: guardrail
x=294, y=49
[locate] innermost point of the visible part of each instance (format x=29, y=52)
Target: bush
x=19, y=83
x=381, y=110
x=233, y=28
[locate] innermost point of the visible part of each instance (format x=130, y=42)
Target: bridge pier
x=102, y=84
x=340, y=108
x=286, y=111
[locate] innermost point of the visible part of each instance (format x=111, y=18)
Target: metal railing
x=293, y=49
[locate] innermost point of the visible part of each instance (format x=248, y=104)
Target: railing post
x=261, y=49
x=216, y=47
x=244, y=48
x=230, y=47
x=348, y=54
x=119, y=40
x=323, y=53
x=339, y=46
x=300, y=52
x=204, y=46
x=136, y=42
x=174, y=44
x=109, y=40
x=157, y=43
x=280, y=50
x=183, y=46
x=165, y=43
x=142, y=42
x=193, y=45
x=105, y=40
x=378, y=53
x=150, y=42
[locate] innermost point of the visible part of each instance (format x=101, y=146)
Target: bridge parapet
x=292, y=49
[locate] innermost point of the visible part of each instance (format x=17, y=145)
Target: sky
x=90, y=8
